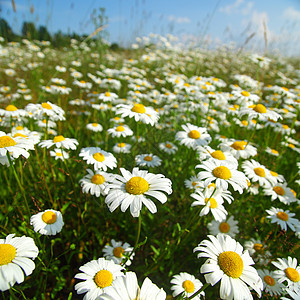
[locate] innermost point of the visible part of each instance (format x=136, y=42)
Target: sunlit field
x=151, y=173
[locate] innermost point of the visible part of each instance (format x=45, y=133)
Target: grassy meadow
x=197, y=109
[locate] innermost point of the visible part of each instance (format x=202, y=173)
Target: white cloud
x=239, y=6
x=179, y=20
x=291, y=14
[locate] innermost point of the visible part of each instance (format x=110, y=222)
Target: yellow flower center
x=49, y=217
x=107, y=94
x=273, y=173
x=292, y=274
x=239, y=145
x=117, y=118
x=137, y=186
x=97, y=179
x=58, y=154
x=58, y=138
x=99, y=156
x=231, y=264
x=20, y=135
x=285, y=126
x=46, y=105
x=260, y=172
x=147, y=158
x=218, y=154
x=282, y=216
x=212, y=201
x=258, y=247
x=138, y=108
x=269, y=280
x=19, y=127
x=294, y=193
x=260, y=108
x=103, y=278
x=224, y=227
x=222, y=172
x=95, y=124
x=121, y=145
x=118, y=252
x=274, y=151
x=194, y=134
x=168, y=146
x=212, y=185
x=279, y=190
x=7, y=254
x=11, y=108
x=244, y=122
x=188, y=286
x=120, y=128
x=82, y=81
x=6, y=141
x=245, y=93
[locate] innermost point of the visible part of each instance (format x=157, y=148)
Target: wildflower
x=108, y=96
x=96, y=183
x=228, y=226
x=94, y=127
x=16, y=254
x=48, y=222
x=281, y=192
x=126, y=288
x=58, y=153
x=258, y=249
x=271, y=285
x=238, y=148
x=193, y=183
x=229, y=263
x=259, y=112
x=148, y=160
x=120, y=131
x=132, y=189
x=193, y=136
x=283, y=217
x=60, y=142
x=222, y=174
x=98, y=157
x=168, y=147
x=122, y=148
x=186, y=284
x=289, y=271
x=39, y=111
x=12, y=111
x=97, y=275
x=118, y=252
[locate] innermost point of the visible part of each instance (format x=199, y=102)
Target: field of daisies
x=153, y=173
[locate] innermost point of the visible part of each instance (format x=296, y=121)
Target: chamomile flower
x=258, y=250
x=60, y=142
x=193, y=183
x=94, y=127
x=97, y=275
x=48, y=222
x=260, y=112
x=271, y=285
x=186, y=284
x=295, y=295
x=108, y=96
x=283, y=218
x=228, y=226
x=228, y=263
x=132, y=190
x=222, y=174
x=139, y=112
x=96, y=183
x=257, y=173
x=212, y=201
x=118, y=252
x=58, y=153
x=12, y=111
x=281, y=192
x=16, y=255
x=122, y=148
x=127, y=288
x=193, y=136
x=244, y=98
x=54, y=112
x=168, y=147
x=148, y=160
x=238, y=148
x=120, y=131
x=98, y=157
x=289, y=271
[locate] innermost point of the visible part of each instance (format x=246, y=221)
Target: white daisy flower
x=108, y=96
x=288, y=271
x=60, y=142
x=48, y=222
x=132, y=190
x=58, y=153
x=168, y=147
x=244, y=98
x=148, y=160
x=281, y=192
x=126, y=288
x=12, y=111
x=228, y=263
x=122, y=148
x=16, y=254
x=222, y=174
x=139, y=112
x=118, y=252
x=228, y=226
x=271, y=285
x=260, y=112
x=257, y=173
x=193, y=136
x=238, y=148
x=186, y=285
x=120, y=131
x=193, y=183
x=283, y=218
x=54, y=112
x=96, y=183
x=98, y=157
x=94, y=127
x=97, y=275
x=212, y=201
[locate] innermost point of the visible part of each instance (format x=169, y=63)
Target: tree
x=29, y=31
x=5, y=30
x=43, y=34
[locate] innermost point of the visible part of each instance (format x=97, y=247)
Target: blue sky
x=220, y=21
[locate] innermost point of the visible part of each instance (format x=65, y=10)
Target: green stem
x=199, y=291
